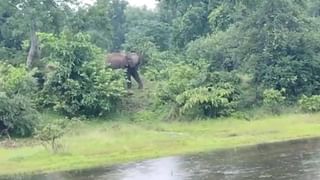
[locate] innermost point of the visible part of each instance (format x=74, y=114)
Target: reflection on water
x=295, y=160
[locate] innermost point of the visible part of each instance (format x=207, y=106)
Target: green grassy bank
x=93, y=144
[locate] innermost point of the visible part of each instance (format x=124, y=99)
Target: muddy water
x=294, y=160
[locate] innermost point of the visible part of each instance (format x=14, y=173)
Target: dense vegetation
x=208, y=58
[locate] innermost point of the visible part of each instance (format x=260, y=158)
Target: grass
x=103, y=143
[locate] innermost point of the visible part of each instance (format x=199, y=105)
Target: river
x=292, y=160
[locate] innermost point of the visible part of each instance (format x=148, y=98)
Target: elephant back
x=116, y=60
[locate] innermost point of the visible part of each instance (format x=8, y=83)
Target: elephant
x=128, y=61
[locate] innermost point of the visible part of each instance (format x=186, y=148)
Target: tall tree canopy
x=208, y=57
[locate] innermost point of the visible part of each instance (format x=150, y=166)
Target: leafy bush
x=249, y=94
x=293, y=65
x=79, y=83
x=179, y=79
x=17, y=115
x=16, y=80
x=191, y=90
x=273, y=99
x=310, y=104
x=49, y=133
x=221, y=18
x=219, y=50
x=12, y=56
x=210, y=79
x=156, y=67
x=213, y=101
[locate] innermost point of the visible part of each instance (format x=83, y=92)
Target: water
x=294, y=160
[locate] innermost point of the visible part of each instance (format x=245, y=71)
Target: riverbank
x=92, y=144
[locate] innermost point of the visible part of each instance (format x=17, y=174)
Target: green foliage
x=310, y=104
x=49, y=133
x=11, y=37
x=19, y=19
x=296, y=70
x=213, y=101
x=45, y=15
x=17, y=112
x=146, y=24
x=179, y=79
x=190, y=26
x=96, y=21
x=229, y=13
x=250, y=95
x=280, y=48
x=238, y=46
x=314, y=8
x=220, y=50
x=210, y=79
x=273, y=99
x=16, y=80
x=144, y=34
x=221, y=18
x=275, y=41
x=117, y=16
x=190, y=90
x=17, y=115
x=11, y=56
x=136, y=42
x=79, y=84
x=156, y=68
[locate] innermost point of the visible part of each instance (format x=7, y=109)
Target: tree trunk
x=34, y=51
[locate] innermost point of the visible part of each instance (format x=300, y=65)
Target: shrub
x=213, y=101
x=79, y=83
x=17, y=115
x=273, y=99
x=17, y=112
x=194, y=91
x=12, y=55
x=49, y=133
x=310, y=104
x=220, y=50
x=158, y=63
x=16, y=80
x=179, y=79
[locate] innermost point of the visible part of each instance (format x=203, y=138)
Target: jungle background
x=203, y=59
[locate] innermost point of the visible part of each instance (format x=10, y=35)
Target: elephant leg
x=129, y=83
x=136, y=76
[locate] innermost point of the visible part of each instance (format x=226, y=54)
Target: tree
x=282, y=48
x=314, y=8
x=189, y=19
x=96, y=21
x=104, y=21
x=36, y=15
x=118, y=19
x=11, y=36
x=192, y=25
x=17, y=111
x=147, y=25
x=78, y=82
x=226, y=13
